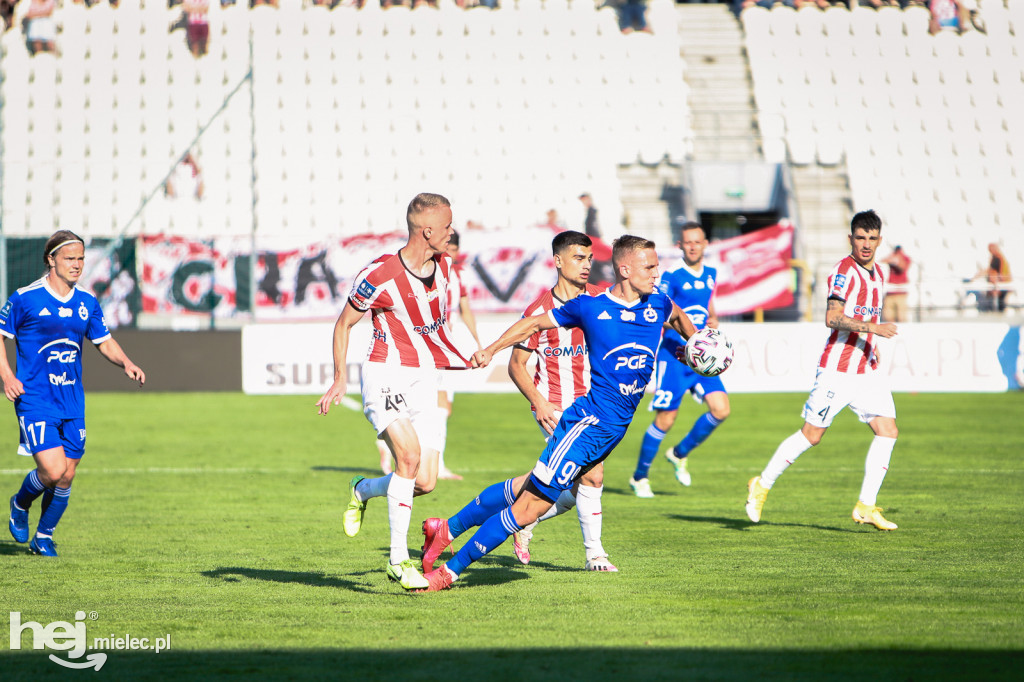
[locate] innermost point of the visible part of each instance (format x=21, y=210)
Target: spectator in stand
x=40, y=29
x=633, y=16
x=197, y=26
x=590, y=225
x=553, y=221
x=998, y=275
x=257, y=3
x=741, y=5
x=186, y=180
x=875, y=3
x=896, y=286
x=948, y=15
x=7, y=12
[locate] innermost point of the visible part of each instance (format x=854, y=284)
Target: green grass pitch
x=216, y=519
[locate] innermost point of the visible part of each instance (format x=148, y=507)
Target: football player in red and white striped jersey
x=847, y=375
x=458, y=311
x=406, y=296
x=562, y=375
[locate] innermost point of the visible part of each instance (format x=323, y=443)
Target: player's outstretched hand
x=886, y=331
x=481, y=358
x=681, y=355
x=333, y=395
x=14, y=389
x=135, y=373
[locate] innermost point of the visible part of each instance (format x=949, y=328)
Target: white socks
x=564, y=503
x=588, y=508
x=875, y=467
x=399, y=494
x=373, y=487
x=442, y=437
x=785, y=454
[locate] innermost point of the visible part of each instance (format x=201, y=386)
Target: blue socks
x=648, y=451
x=489, y=502
x=702, y=428
x=51, y=516
x=492, y=533
x=55, y=501
x=31, y=488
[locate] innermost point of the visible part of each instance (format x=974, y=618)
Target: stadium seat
x=915, y=21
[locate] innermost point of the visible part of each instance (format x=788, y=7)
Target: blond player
x=847, y=375
x=458, y=311
x=562, y=375
x=406, y=295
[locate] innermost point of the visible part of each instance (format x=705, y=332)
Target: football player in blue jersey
x=48, y=321
x=691, y=286
x=622, y=327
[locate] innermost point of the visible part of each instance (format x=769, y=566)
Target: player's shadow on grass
x=234, y=574
x=494, y=560
x=348, y=470
x=12, y=549
x=746, y=524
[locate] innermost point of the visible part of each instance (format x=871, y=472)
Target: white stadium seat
x=926, y=124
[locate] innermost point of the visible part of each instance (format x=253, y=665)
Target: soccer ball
x=709, y=352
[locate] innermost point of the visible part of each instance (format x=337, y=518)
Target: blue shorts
x=40, y=433
x=672, y=379
x=579, y=442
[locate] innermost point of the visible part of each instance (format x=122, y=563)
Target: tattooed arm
x=835, y=319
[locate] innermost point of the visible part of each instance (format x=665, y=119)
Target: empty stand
x=509, y=111
x=925, y=124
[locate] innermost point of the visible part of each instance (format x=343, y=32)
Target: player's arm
x=681, y=322
x=13, y=388
x=520, y=331
x=712, y=315
x=546, y=412
x=469, y=318
x=112, y=351
x=835, y=318
x=342, y=329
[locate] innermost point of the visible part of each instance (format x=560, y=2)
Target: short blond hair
x=423, y=202
x=627, y=244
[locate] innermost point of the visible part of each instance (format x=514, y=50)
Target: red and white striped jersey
x=854, y=352
x=563, y=365
x=408, y=314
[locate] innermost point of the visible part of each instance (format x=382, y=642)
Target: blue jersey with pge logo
x=622, y=339
x=49, y=330
x=691, y=290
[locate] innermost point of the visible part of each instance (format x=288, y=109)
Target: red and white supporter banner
x=753, y=269
x=503, y=271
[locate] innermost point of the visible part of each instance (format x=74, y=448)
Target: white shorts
x=43, y=29
x=444, y=384
x=393, y=393
x=868, y=395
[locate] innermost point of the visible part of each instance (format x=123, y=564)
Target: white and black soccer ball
x=709, y=352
